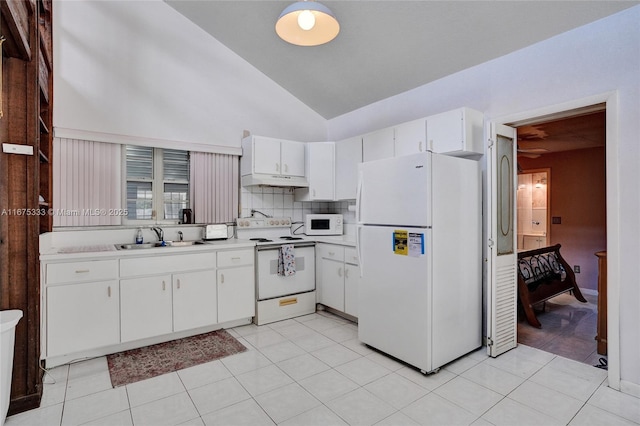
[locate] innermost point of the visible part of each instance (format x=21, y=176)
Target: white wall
x=594, y=59
x=139, y=68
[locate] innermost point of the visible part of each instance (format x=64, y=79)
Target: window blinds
x=86, y=183
x=214, y=187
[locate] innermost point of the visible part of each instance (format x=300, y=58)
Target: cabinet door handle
x=420, y=146
x=314, y=192
x=277, y=167
x=286, y=168
x=340, y=272
x=346, y=273
x=332, y=253
x=235, y=258
x=108, y=291
x=221, y=278
x=164, y=285
x=178, y=284
x=82, y=271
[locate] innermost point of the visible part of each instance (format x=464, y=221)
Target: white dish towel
x=286, y=260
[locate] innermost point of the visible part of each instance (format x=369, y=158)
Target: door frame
x=610, y=99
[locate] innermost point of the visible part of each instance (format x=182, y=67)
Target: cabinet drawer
x=351, y=255
x=138, y=266
x=96, y=270
x=235, y=258
x=330, y=251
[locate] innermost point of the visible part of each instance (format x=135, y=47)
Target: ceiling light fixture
x=307, y=23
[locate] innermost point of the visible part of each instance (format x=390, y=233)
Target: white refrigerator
x=419, y=241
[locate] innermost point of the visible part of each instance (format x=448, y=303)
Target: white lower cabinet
x=82, y=316
x=534, y=241
x=351, y=288
x=194, y=300
x=236, y=293
x=338, y=277
x=162, y=304
x=153, y=305
x=332, y=283
x=145, y=307
x=236, y=285
x=93, y=306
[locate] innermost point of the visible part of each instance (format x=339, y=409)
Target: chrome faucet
x=180, y=236
x=159, y=232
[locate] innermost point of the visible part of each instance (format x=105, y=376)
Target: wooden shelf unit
x=27, y=94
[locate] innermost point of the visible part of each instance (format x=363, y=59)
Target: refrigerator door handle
x=359, y=196
x=358, y=251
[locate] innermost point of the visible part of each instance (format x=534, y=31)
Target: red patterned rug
x=144, y=363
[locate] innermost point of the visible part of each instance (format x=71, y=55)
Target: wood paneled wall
x=26, y=93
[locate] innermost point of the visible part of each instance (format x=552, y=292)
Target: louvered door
x=501, y=243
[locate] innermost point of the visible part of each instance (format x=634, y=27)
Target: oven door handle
x=277, y=247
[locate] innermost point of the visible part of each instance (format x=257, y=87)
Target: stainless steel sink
x=181, y=243
x=137, y=246
x=157, y=244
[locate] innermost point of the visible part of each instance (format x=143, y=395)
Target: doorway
x=571, y=147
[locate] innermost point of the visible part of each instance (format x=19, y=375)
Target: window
x=157, y=183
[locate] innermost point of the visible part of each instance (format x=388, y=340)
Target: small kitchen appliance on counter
x=323, y=224
x=187, y=216
x=280, y=296
x=216, y=232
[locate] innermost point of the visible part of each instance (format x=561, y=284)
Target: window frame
x=157, y=189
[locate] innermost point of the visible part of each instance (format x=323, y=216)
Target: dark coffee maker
x=187, y=215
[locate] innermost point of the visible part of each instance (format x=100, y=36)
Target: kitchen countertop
x=343, y=240
x=106, y=251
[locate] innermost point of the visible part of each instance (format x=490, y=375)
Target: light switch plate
x=11, y=148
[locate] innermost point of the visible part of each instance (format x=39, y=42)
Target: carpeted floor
x=150, y=361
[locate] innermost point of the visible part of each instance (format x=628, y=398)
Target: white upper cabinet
x=263, y=155
x=348, y=156
x=377, y=145
x=266, y=156
x=410, y=137
x=320, y=172
x=457, y=132
x=292, y=158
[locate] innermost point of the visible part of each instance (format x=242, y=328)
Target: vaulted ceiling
x=386, y=47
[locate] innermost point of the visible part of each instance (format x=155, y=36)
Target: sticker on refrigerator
x=416, y=244
x=400, y=242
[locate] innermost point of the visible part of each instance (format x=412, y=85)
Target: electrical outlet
x=576, y=269
x=556, y=220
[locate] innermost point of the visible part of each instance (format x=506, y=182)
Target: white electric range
x=280, y=297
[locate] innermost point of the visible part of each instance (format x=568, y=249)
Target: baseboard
x=25, y=403
x=589, y=291
x=632, y=389
x=54, y=361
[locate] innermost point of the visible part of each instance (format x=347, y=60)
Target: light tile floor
x=312, y=370
x=568, y=328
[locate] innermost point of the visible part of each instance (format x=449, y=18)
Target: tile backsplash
x=280, y=202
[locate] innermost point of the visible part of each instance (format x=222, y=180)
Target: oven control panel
x=263, y=222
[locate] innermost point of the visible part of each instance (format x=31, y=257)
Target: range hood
x=275, y=180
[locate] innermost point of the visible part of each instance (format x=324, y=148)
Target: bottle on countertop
x=139, y=236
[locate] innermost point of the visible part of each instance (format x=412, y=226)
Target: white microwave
x=323, y=224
